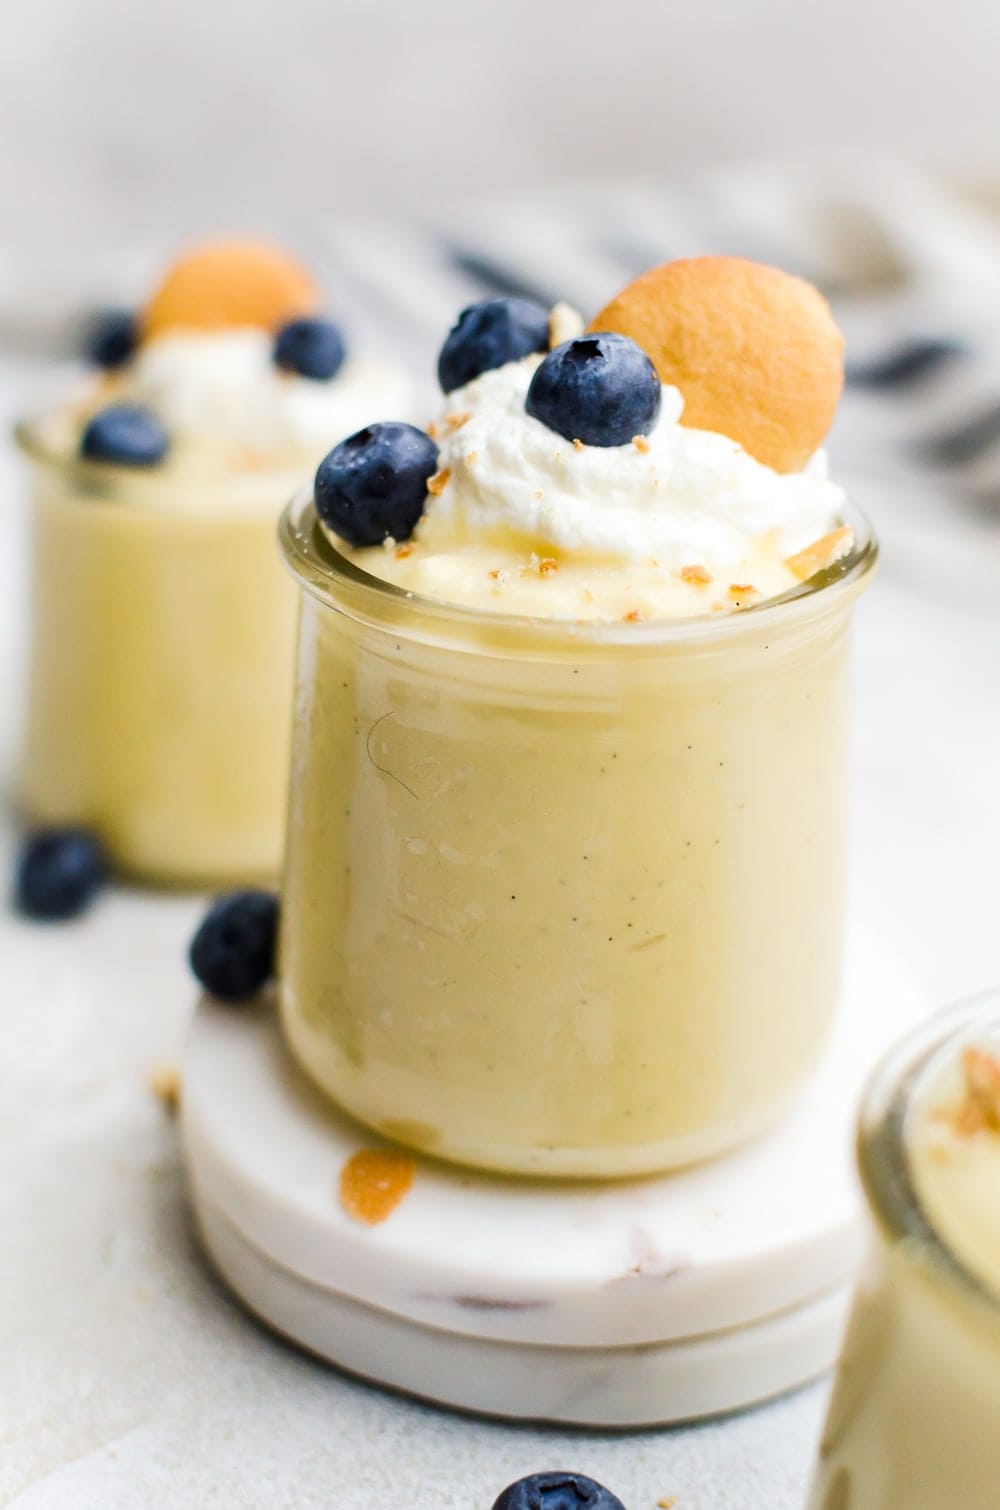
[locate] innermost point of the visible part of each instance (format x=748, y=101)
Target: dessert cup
x=161, y=651
x=563, y=898
x=914, y=1414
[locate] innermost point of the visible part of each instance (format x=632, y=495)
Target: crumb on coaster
x=641, y=443
x=164, y=1081
x=373, y=1182
x=547, y=566
x=404, y=550
x=456, y=421
x=439, y=481
x=565, y=324
x=699, y=575
x=821, y=553
x=577, y=443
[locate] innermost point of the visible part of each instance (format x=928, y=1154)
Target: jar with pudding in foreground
x=916, y=1409
x=565, y=860
x=162, y=626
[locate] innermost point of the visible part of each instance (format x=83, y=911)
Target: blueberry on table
x=557, y=1491
x=125, y=434
x=601, y=389
x=374, y=484
x=232, y=953
x=311, y=348
x=489, y=334
x=59, y=872
x=111, y=338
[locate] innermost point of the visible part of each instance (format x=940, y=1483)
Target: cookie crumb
x=456, y=421
x=373, y=1182
x=641, y=443
x=699, y=575
x=471, y=458
x=821, y=554
x=164, y=1081
x=404, y=550
x=547, y=566
x=577, y=443
x=742, y=592
x=439, y=481
x=432, y=429
x=666, y=1502
x=631, y=617
x=539, y=494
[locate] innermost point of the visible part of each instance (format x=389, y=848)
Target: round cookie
x=222, y=284
x=754, y=351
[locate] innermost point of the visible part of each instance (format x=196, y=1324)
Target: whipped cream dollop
x=222, y=388
x=674, y=497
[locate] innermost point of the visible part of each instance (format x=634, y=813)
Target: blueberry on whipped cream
x=489, y=334
x=373, y=485
x=311, y=348
x=600, y=389
x=557, y=1491
x=111, y=339
x=125, y=435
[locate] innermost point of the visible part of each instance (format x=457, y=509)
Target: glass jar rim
x=331, y=577
x=883, y=1152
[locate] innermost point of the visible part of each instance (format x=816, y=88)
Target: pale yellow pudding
x=162, y=625
x=917, y=1405
x=564, y=878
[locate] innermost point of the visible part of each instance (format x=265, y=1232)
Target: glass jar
x=160, y=673
x=916, y=1408
x=563, y=898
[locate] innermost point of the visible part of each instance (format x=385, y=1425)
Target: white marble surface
x=128, y=1379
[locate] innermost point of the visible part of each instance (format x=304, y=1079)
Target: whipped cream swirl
x=675, y=497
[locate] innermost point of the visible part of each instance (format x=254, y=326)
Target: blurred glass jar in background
x=915, y=1417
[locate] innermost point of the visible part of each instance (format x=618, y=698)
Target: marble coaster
x=620, y=1304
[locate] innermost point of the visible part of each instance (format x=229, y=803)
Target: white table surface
x=129, y=1379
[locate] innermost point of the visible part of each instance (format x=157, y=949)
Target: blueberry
x=125, y=434
x=232, y=953
x=489, y=334
x=557, y=1491
x=111, y=338
x=59, y=872
x=601, y=389
x=312, y=348
x=374, y=484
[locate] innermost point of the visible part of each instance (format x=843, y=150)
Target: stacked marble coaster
x=622, y=1304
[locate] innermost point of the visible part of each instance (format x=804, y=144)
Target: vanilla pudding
x=162, y=628
x=564, y=879
x=915, y=1412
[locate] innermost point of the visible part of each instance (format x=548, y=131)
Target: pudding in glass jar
x=565, y=868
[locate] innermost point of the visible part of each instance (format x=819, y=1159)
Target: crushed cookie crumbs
x=470, y=458
x=404, y=550
x=547, y=566
x=641, y=444
x=577, y=444
x=979, y=1109
x=632, y=616
x=699, y=575
x=456, y=421
x=666, y=1502
x=740, y=591
x=373, y=1182
x=439, y=481
x=433, y=429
